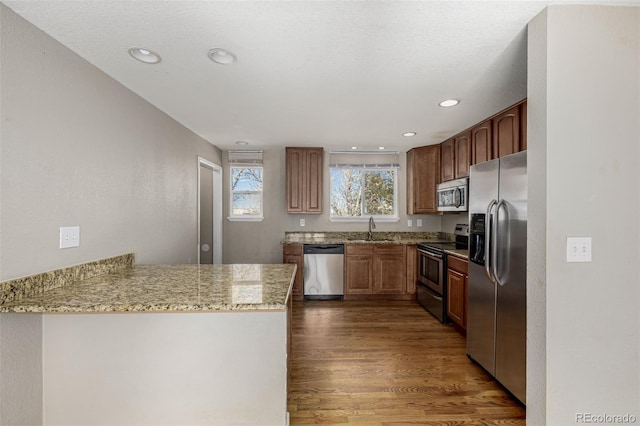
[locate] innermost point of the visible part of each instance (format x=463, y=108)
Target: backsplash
x=295, y=235
x=36, y=284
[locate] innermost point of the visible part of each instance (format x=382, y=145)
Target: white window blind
x=245, y=158
x=364, y=159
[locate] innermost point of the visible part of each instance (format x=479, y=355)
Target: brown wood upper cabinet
x=461, y=149
x=423, y=175
x=481, y=143
x=506, y=132
x=523, y=126
x=454, y=157
x=304, y=180
x=447, y=160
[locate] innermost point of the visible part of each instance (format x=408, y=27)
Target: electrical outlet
x=419, y=223
x=302, y=222
x=69, y=236
x=409, y=223
x=578, y=249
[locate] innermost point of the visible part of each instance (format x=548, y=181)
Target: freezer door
x=510, y=269
x=483, y=189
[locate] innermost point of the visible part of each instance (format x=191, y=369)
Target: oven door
x=431, y=302
x=430, y=271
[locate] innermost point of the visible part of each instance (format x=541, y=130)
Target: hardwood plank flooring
x=387, y=363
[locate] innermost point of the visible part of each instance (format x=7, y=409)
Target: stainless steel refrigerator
x=497, y=286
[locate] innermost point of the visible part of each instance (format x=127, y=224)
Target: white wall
x=77, y=148
x=537, y=221
x=584, y=144
x=259, y=242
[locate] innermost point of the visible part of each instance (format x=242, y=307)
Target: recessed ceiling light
x=354, y=147
x=409, y=134
x=144, y=55
x=381, y=147
x=242, y=143
x=222, y=56
x=449, y=103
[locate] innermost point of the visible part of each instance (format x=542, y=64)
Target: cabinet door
x=303, y=172
x=312, y=178
x=294, y=179
x=298, y=289
x=423, y=175
x=462, y=150
x=481, y=143
x=390, y=269
x=447, y=159
x=506, y=132
x=358, y=274
x=292, y=253
x=456, y=297
x=412, y=268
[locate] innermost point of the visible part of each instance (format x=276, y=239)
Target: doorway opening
x=209, y=212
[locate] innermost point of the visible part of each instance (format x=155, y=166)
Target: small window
x=363, y=185
x=246, y=177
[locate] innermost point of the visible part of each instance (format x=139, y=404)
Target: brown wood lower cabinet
x=390, y=269
x=412, y=268
x=376, y=271
x=457, y=271
x=292, y=253
x=358, y=269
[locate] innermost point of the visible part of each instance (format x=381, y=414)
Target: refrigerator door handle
x=501, y=204
x=487, y=241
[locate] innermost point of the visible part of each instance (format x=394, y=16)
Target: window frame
x=394, y=217
x=245, y=218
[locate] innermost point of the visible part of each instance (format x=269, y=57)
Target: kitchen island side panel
x=165, y=368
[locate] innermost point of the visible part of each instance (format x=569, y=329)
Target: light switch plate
x=69, y=236
x=302, y=222
x=578, y=249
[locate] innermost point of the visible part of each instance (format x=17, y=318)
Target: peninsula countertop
x=169, y=288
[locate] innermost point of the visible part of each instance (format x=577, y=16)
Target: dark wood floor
x=387, y=363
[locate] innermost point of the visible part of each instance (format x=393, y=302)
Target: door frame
x=217, y=209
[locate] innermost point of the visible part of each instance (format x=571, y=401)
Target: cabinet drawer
x=358, y=249
x=292, y=249
x=457, y=264
x=390, y=249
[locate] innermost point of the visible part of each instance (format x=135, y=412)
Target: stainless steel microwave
x=453, y=195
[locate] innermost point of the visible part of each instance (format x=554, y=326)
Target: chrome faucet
x=372, y=225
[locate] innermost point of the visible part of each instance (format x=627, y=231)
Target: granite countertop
x=361, y=237
x=169, y=288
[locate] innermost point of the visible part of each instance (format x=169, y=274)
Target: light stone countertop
x=169, y=288
x=463, y=254
x=361, y=237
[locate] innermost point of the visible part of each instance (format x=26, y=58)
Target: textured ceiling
x=309, y=73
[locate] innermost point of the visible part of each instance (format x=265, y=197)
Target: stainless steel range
x=432, y=267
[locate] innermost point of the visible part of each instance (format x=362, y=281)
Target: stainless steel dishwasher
x=323, y=271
